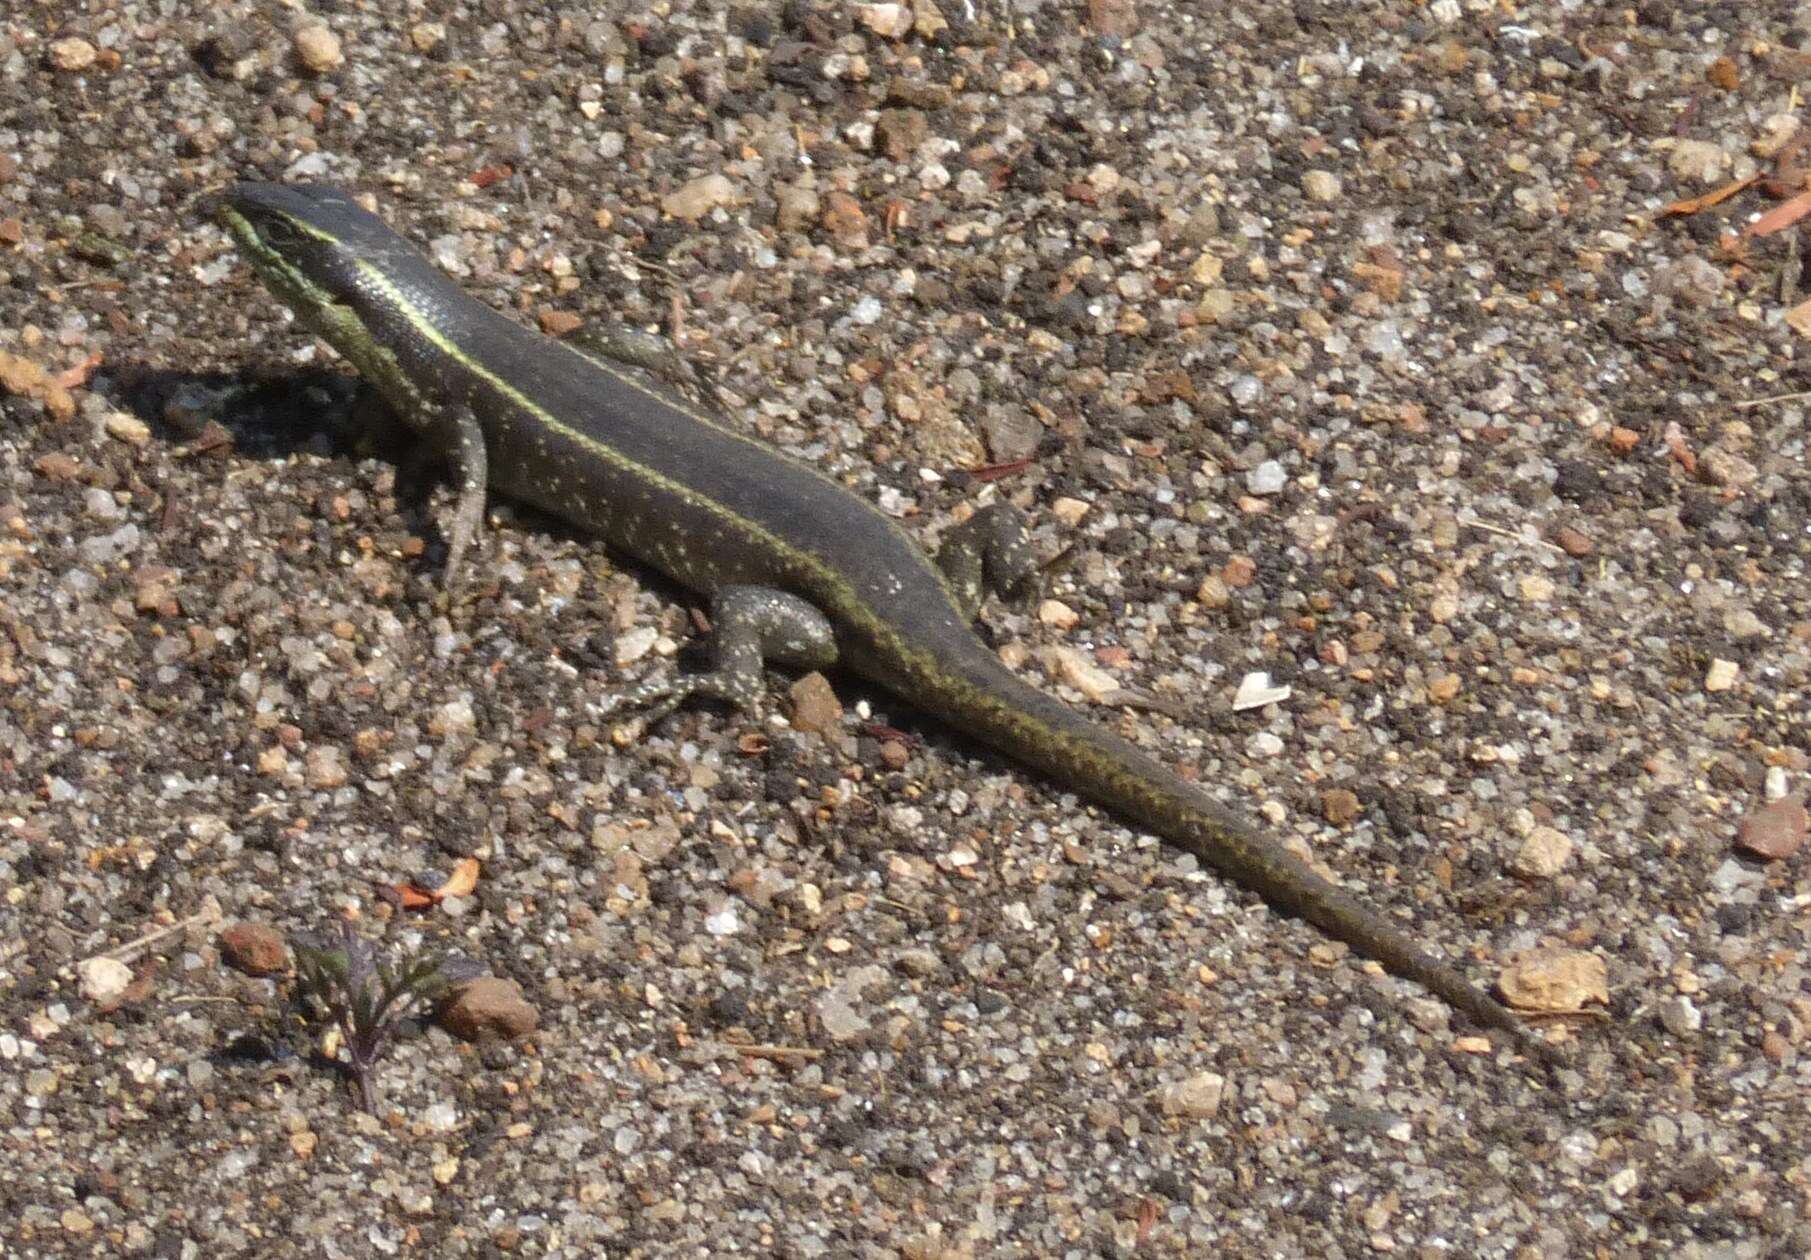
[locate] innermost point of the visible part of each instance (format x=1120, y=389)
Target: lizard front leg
x=455, y=435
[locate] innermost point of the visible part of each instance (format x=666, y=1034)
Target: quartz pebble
x=1543, y=854
x=1267, y=478
x=72, y=54
x=103, y=978
x=1721, y=676
x=1197, y=1097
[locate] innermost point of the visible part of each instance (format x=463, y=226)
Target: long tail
x=981, y=697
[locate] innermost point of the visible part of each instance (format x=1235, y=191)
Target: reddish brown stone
x=1573, y=542
x=558, y=323
x=1774, y=831
x=488, y=1006
x=257, y=949
x=814, y=704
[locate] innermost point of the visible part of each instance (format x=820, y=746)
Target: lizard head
x=343, y=271
x=309, y=243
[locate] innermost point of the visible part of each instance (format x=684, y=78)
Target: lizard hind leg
x=990, y=551
x=752, y=625
x=654, y=360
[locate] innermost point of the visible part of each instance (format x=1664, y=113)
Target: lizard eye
x=279, y=232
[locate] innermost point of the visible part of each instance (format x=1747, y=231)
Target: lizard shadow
x=264, y=412
x=272, y=413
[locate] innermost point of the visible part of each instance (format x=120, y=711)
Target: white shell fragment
x=1255, y=691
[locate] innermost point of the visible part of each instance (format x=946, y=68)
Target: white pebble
x=1267, y=478
x=1264, y=744
x=103, y=979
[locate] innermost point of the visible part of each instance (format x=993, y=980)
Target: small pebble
x=1535, y=588
x=1239, y=572
x=890, y=21
x=1267, y=478
x=1697, y=161
x=836, y=1011
x=1544, y=854
x=72, y=54
x=1721, y=675
x=1680, y=1017
x=1573, y=542
x=1777, y=131
x=1777, y=782
x=1075, y=669
x=559, y=323
x=1197, y=1097
x=318, y=48
x=489, y=1005
x=1555, y=980
x=633, y=644
x=1321, y=186
x=103, y=978
x=1340, y=806
x=1742, y=625
x=1265, y=744
x=694, y=200
x=257, y=949
x=1774, y=831
x=125, y=427
x=1215, y=306
x=920, y=962
x=814, y=703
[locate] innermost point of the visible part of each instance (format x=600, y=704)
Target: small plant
x=366, y=999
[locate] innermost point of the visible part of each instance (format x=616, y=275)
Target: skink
x=800, y=572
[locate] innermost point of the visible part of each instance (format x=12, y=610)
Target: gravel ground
x=1344, y=342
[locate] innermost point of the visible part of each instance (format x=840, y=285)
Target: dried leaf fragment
x=1782, y=216
x=412, y=896
x=1704, y=201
